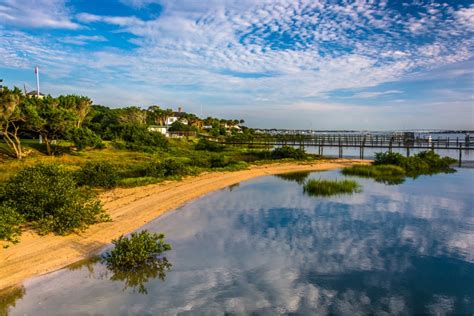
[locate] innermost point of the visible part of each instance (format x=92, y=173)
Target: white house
x=177, y=116
x=160, y=129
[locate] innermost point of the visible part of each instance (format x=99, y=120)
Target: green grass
x=330, y=187
x=388, y=174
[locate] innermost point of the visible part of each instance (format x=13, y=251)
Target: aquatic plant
x=392, y=168
x=330, y=187
x=389, y=174
x=134, y=252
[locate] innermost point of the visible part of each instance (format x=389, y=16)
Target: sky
x=295, y=64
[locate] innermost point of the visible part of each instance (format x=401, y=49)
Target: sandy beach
x=129, y=209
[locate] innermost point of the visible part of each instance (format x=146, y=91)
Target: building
x=177, y=116
x=34, y=94
x=159, y=129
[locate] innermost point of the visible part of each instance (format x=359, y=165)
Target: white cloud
x=37, y=14
x=231, y=53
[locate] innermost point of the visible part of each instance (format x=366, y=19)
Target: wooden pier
x=383, y=142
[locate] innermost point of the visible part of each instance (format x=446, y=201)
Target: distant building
x=159, y=129
x=177, y=116
x=34, y=94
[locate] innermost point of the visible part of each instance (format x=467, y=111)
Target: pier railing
x=386, y=142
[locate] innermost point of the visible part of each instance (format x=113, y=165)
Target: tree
x=80, y=105
x=47, y=118
x=11, y=116
x=132, y=115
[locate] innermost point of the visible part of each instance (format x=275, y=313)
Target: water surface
x=264, y=247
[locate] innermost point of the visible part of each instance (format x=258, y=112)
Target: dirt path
x=129, y=209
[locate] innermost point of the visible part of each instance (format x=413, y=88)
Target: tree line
x=76, y=119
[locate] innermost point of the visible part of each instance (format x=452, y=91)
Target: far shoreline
x=130, y=209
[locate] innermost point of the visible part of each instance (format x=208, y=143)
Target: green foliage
x=141, y=249
x=174, y=167
x=205, y=144
x=46, y=117
x=425, y=162
x=12, y=114
x=98, y=174
x=9, y=223
x=389, y=158
x=330, y=187
x=288, y=152
x=139, y=135
x=388, y=174
x=181, y=127
x=392, y=168
x=220, y=161
x=48, y=197
x=84, y=137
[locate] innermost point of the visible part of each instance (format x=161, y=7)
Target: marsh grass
x=320, y=187
x=388, y=174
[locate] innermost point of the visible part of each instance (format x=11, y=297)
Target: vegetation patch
x=141, y=253
x=425, y=162
x=98, y=174
x=330, y=187
x=285, y=152
x=10, y=221
x=49, y=199
x=393, y=168
x=389, y=174
x=298, y=177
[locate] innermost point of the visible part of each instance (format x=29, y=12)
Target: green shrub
x=389, y=158
x=154, y=169
x=138, y=137
x=205, y=144
x=220, y=161
x=141, y=249
x=9, y=223
x=174, y=167
x=48, y=197
x=425, y=162
x=330, y=187
x=98, y=174
x=84, y=137
x=288, y=152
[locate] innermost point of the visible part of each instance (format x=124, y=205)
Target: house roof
x=34, y=93
x=179, y=114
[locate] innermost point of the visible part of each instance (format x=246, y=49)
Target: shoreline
x=130, y=209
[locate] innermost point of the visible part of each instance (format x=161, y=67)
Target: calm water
x=265, y=247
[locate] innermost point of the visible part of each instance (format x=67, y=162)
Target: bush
x=288, y=152
x=9, y=223
x=84, y=137
x=48, y=197
x=98, y=174
x=154, y=169
x=181, y=127
x=220, y=161
x=330, y=187
x=426, y=162
x=205, y=144
x=174, y=167
x=389, y=158
x=137, y=136
x=141, y=249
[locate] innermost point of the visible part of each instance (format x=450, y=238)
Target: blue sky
x=275, y=63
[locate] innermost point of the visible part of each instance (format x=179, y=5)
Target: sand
x=129, y=209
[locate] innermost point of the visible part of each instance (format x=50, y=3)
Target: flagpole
x=37, y=81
